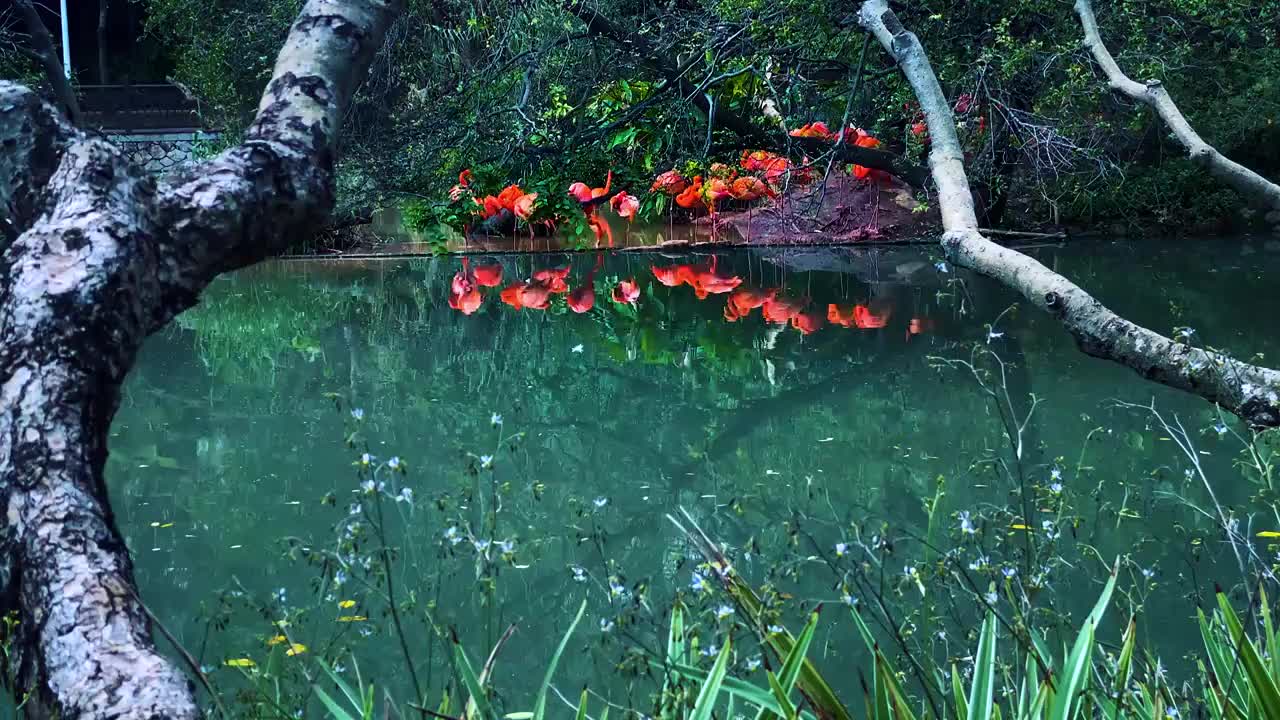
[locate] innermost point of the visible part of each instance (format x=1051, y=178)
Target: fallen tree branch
x=102, y=257
x=1249, y=391
x=1252, y=186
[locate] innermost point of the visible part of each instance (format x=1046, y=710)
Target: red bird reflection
x=781, y=309
x=626, y=292
x=582, y=298
x=807, y=322
x=488, y=275
x=464, y=294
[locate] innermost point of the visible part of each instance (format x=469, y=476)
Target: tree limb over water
x=1249, y=391
x=96, y=256
x=1252, y=186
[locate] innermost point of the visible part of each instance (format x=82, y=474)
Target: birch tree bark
x=1252, y=186
x=1249, y=391
x=96, y=256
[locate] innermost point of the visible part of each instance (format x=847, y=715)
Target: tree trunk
x=42, y=47
x=1249, y=391
x=1252, y=186
x=96, y=256
x=102, y=42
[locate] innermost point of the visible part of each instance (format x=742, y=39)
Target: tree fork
x=1249, y=391
x=96, y=256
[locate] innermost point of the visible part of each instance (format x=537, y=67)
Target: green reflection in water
x=235, y=490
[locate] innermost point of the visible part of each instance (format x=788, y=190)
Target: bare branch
x=1249, y=391
x=1252, y=186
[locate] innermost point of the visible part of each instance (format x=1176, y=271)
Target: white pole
x=66, y=43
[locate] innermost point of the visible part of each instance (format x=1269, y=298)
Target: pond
x=539, y=453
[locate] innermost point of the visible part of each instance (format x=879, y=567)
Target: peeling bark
x=96, y=256
x=1252, y=186
x=1249, y=391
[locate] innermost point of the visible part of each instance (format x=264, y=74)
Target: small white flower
x=453, y=536
x=1008, y=571
x=507, y=546
x=281, y=596
x=579, y=574
x=357, y=413
x=992, y=334
x=495, y=420
x=980, y=563
x=698, y=583
x=753, y=663
x=600, y=501
x=991, y=597
x=842, y=549
x=576, y=348
x=849, y=600
x=481, y=545
x=366, y=459
x=1050, y=530
x=353, y=509
x=1220, y=428
x=775, y=629
x=941, y=267
x=910, y=571
x=606, y=625
x=723, y=612
x=339, y=578
x=1055, y=473
x=486, y=462
x=1171, y=712
x=711, y=650
x=406, y=495
x=394, y=463
x=368, y=486
x=966, y=523
x=616, y=589
x=1055, y=488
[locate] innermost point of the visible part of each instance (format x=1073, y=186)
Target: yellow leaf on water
x=167, y=525
x=1269, y=534
x=344, y=604
x=277, y=640
x=1020, y=526
x=240, y=662
x=295, y=649
x=352, y=618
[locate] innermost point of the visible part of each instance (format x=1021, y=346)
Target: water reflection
x=640, y=386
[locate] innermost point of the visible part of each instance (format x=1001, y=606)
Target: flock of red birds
x=760, y=175
x=706, y=279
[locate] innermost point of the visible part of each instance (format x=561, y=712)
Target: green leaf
x=334, y=709
x=540, y=705
x=706, y=701
x=740, y=688
x=1266, y=694
x=788, y=710
x=582, y=706
x=957, y=689
x=1074, y=677
x=984, y=672
x=478, y=705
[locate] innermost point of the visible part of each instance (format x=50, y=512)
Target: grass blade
x=711, y=688
x=334, y=708
x=478, y=704
x=984, y=672
x=1266, y=694
x=540, y=705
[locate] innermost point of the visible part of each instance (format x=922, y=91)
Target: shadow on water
x=763, y=390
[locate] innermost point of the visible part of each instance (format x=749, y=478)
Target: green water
x=234, y=484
